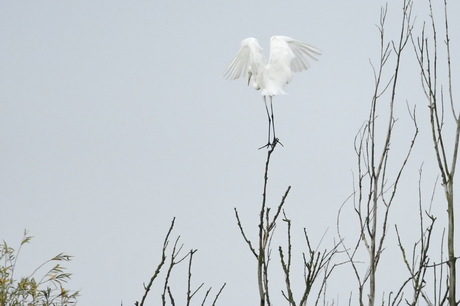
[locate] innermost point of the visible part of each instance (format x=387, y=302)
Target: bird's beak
x=249, y=77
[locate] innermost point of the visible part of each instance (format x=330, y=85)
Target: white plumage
x=287, y=55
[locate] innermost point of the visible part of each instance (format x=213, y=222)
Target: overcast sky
x=115, y=118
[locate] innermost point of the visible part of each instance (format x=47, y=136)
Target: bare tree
x=314, y=261
x=374, y=195
x=175, y=259
x=266, y=226
x=438, y=95
x=418, y=263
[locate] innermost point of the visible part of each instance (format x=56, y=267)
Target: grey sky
x=115, y=117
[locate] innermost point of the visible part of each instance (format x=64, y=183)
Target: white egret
x=287, y=55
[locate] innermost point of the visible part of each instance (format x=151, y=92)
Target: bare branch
x=160, y=265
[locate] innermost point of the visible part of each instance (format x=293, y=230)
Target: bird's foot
x=272, y=144
x=276, y=141
x=268, y=145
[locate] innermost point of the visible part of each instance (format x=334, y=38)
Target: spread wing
x=248, y=60
x=302, y=53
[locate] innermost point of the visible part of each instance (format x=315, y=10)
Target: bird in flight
x=287, y=56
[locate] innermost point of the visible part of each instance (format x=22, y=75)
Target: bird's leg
x=273, y=118
x=275, y=140
x=269, y=123
x=269, y=119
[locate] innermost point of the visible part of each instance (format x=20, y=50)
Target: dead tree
x=438, y=94
x=267, y=224
x=317, y=265
x=376, y=189
x=175, y=258
x=314, y=261
x=417, y=261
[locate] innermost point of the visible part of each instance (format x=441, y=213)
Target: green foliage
x=39, y=288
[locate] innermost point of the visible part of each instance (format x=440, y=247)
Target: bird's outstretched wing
x=248, y=61
x=302, y=53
